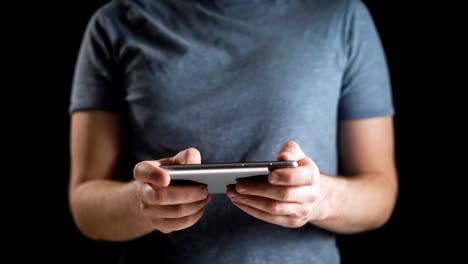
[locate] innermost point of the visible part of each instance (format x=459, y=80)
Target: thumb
x=187, y=156
x=291, y=151
x=150, y=172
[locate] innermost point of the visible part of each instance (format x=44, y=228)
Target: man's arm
x=106, y=209
x=102, y=207
x=360, y=201
x=365, y=198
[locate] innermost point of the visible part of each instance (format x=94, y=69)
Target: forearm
x=108, y=210
x=355, y=204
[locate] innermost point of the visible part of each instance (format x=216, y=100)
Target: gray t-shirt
x=234, y=79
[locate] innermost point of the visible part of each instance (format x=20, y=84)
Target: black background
x=45, y=43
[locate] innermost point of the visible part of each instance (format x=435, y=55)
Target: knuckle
x=285, y=194
x=304, y=211
x=146, y=193
x=179, y=209
x=294, y=222
x=140, y=191
x=137, y=169
x=159, y=196
x=292, y=144
x=192, y=152
x=287, y=178
x=275, y=207
x=189, y=156
x=141, y=170
x=313, y=171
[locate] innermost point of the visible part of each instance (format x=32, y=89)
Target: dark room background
x=52, y=34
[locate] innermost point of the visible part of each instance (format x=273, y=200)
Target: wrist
x=142, y=219
x=326, y=207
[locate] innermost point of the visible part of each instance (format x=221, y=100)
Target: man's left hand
x=291, y=196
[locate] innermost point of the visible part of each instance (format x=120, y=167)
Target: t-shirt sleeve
x=95, y=83
x=366, y=89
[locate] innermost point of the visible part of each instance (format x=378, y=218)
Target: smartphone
x=233, y=165
x=218, y=175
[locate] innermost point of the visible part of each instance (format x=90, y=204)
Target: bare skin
x=361, y=201
x=106, y=209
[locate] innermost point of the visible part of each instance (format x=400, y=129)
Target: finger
x=282, y=220
x=172, y=194
x=167, y=225
x=268, y=205
x=306, y=174
x=175, y=211
x=187, y=156
x=149, y=171
x=297, y=194
x=291, y=151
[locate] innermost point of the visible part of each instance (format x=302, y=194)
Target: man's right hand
x=170, y=208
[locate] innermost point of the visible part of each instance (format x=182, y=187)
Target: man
x=181, y=82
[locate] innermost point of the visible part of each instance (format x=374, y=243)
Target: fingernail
x=204, y=192
x=241, y=188
x=232, y=194
x=274, y=178
x=230, y=191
